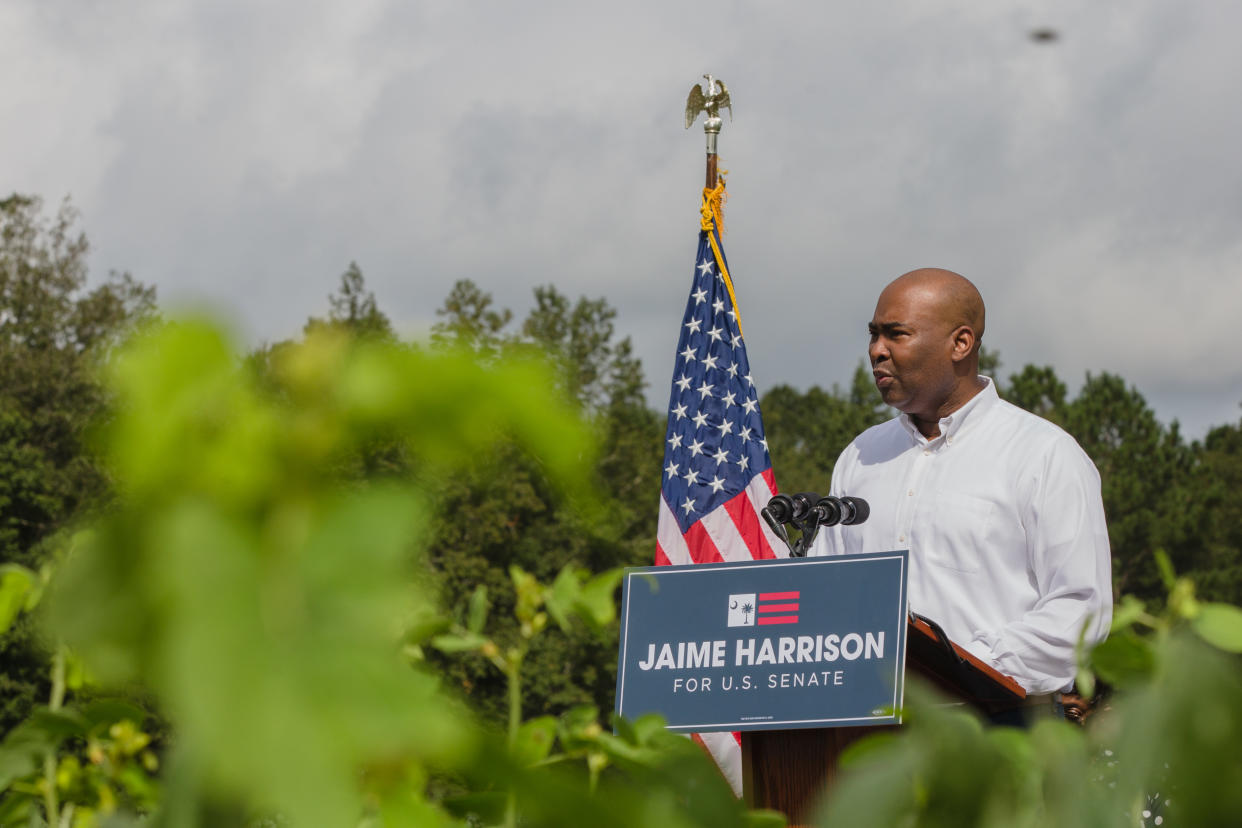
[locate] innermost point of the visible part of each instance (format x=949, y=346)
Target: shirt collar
x=952, y=425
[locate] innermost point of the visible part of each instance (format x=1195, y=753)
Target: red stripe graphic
x=779, y=607
x=777, y=602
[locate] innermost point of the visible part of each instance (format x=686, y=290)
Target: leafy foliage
x=1217, y=482
x=1145, y=471
x=264, y=600
x=501, y=512
x=216, y=580
x=220, y=580
x=54, y=333
x=1166, y=743
x=354, y=309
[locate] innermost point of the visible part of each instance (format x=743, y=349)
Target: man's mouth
x=882, y=380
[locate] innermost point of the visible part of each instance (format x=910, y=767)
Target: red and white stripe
x=732, y=532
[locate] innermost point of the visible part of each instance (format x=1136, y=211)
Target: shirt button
x=926, y=452
x=902, y=539
x=949, y=439
x=910, y=493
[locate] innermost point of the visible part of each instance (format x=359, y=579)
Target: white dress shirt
x=1005, y=526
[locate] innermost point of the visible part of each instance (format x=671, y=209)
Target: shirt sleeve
x=1069, y=559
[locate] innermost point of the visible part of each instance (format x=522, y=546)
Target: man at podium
x=1000, y=509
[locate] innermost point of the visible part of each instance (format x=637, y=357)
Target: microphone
x=859, y=511
x=803, y=503
x=779, y=510
x=846, y=511
x=790, y=509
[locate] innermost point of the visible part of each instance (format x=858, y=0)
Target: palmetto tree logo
x=742, y=610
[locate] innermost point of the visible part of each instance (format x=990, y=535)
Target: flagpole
x=708, y=99
x=711, y=129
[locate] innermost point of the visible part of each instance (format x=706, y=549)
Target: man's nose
x=877, y=350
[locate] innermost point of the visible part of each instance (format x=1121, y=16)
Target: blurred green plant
x=638, y=775
x=263, y=598
x=66, y=764
x=1166, y=740
x=531, y=742
x=257, y=597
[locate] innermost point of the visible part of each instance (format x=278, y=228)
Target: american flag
x=717, y=470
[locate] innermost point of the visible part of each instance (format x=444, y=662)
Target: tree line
x=1162, y=493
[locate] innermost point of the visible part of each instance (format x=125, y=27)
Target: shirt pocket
x=960, y=525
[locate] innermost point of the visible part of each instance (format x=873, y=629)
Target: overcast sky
x=241, y=154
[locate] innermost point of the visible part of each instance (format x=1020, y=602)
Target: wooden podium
x=788, y=770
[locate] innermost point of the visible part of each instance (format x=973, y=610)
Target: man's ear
x=963, y=342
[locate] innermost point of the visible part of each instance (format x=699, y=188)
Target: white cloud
x=243, y=154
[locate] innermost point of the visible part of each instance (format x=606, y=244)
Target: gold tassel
x=712, y=223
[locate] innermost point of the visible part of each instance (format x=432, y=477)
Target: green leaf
x=109, y=711
x=426, y=626
x=1085, y=681
x=57, y=725
x=16, y=809
x=16, y=584
x=561, y=597
x=862, y=750
x=595, y=604
x=1165, y=565
x=648, y=728
x=764, y=819
x=40, y=733
x=458, y=643
x=1124, y=659
x=16, y=762
x=1220, y=625
x=534, y=740
x=479, y=607
x=487, y=806
x=1125, y=613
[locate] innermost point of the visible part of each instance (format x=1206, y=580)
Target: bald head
x=950, y=297
x=925, y=340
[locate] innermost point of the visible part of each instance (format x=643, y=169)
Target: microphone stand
x=809, y=529
x=777, y=528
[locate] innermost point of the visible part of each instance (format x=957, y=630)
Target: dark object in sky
x=1045, y=35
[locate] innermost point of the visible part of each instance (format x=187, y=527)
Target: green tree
x=1039, y=391
x=354, y=309
x=54, y=334
x=808, y=430
x=1218, y=480
x=469, y=320
x=502, y=512
x=1145, y=473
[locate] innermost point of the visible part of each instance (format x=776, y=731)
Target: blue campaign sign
x=765, y=645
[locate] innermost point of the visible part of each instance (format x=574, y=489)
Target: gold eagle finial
x=708, y=100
